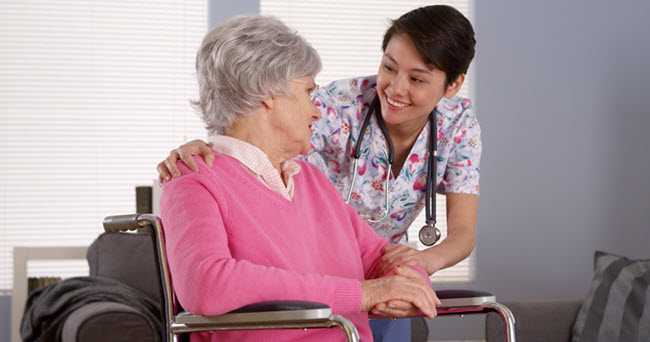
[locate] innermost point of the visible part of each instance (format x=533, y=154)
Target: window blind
x=348, y=36
x=93, y=94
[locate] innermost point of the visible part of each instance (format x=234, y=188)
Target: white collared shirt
x=257, y=163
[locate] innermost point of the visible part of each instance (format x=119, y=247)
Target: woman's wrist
x=434, y=261
x=365, y=296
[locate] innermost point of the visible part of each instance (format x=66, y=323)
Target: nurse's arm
x=460, y=240
x=462, y=211
x=167, y=168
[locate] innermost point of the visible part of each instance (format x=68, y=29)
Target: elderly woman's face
x=294, y=116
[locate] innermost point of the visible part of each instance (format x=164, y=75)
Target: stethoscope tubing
x=429, y=234
x=432, y=176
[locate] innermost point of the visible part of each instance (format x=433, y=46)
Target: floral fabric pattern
x=344, y=105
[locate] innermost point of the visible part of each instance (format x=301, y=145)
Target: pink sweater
x=231, y=241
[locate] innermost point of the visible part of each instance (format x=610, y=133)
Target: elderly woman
x=257, y=225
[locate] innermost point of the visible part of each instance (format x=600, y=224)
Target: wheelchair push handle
x=122, y=223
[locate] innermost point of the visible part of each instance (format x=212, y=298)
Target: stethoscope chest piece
x=429, y=234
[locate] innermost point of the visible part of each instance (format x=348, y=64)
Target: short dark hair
x=443, y=37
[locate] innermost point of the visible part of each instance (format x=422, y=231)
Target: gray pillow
x=617, y=307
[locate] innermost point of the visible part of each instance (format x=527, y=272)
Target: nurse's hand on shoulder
x=402, y=294
x=401, y=255
x=167, y=167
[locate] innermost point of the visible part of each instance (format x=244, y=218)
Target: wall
x=560, y=96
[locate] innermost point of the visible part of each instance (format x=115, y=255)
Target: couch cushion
x=535, y=320
x=617, y=307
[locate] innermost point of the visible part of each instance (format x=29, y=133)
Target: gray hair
x=244, y=61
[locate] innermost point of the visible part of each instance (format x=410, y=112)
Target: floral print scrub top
x=344, y=105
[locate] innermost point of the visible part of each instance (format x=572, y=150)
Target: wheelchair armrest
x=458, y=302
x=273, y=315
x=463, y=298
x=264, y=312
x=281, y=305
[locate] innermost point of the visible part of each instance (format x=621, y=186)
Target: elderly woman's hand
x=395, y=309
x=401, y=295
x=167, y=167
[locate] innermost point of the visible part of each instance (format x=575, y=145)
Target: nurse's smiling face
x=408, y=88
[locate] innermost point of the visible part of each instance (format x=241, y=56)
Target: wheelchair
x=280, y=314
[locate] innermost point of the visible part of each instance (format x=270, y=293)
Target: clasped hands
x=405, y=292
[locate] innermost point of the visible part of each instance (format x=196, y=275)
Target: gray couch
x=536, y=321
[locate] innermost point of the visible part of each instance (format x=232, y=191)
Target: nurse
x=427, y=53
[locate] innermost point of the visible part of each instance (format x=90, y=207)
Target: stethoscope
x=429, y=234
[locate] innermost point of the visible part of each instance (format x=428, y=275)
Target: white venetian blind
x=92, y=95
x=348, y=36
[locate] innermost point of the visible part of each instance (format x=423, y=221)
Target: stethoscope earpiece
x=429, y=234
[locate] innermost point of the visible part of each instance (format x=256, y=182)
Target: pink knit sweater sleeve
x=209, y=281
